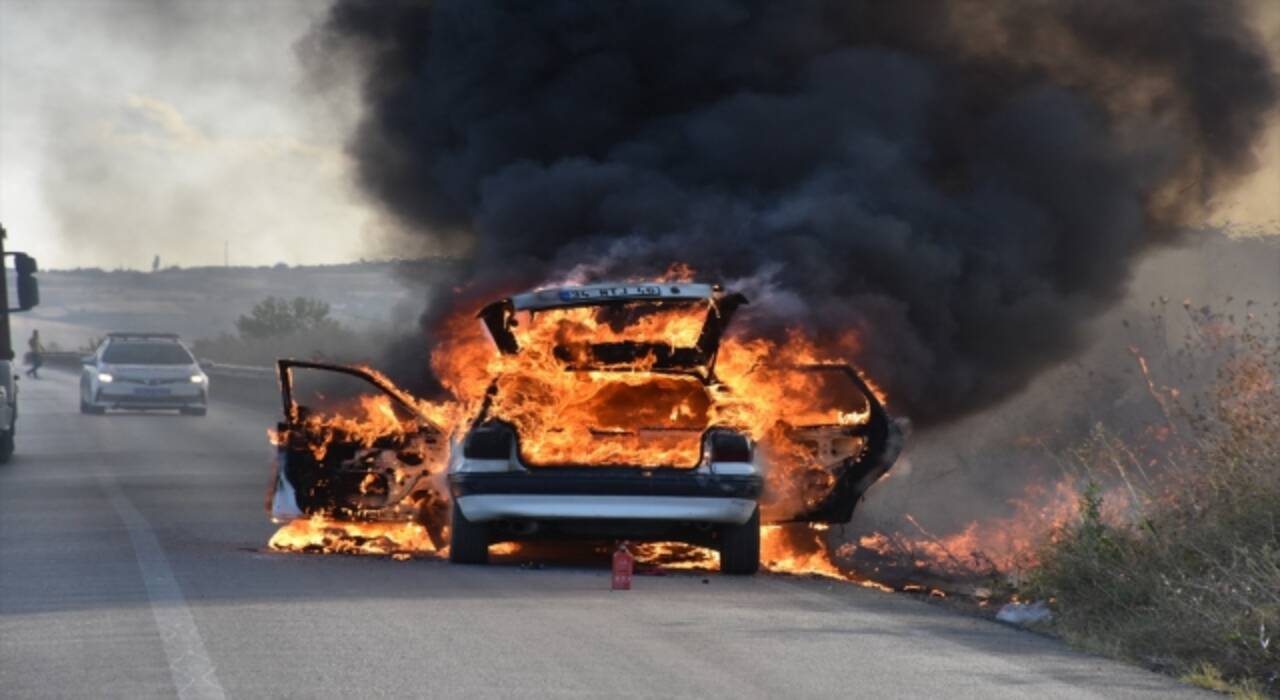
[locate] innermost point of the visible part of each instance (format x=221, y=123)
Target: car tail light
x=730, y=447
x=488, y=442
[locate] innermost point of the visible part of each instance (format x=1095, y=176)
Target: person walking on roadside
x=35, y=351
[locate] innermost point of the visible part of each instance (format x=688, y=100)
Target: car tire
x=6, y=446
x=91, y=410
x=197, y=411
x=468, y=541
x=740, y=547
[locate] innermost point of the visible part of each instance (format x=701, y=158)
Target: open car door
x=354, y=447
x=822, y=460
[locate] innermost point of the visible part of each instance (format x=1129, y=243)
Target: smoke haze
x=132, y=128
x=963, y=184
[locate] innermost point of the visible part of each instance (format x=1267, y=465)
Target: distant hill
x=203, y=302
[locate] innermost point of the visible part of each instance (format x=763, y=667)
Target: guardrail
x=60, y=358
x=242, y=383
x=219, y=369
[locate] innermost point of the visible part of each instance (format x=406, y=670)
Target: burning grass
x=1195, y=581
x=1160, y=540
x=1160, y=544
x=1187, y=579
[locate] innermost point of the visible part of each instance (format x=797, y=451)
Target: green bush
x=298, y=328
x=273, y=317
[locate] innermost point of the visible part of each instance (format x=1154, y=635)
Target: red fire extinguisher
x=623, y=566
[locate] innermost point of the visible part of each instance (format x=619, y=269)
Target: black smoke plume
x=962, y=183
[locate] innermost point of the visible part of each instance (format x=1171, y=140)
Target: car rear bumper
x=606, y=494
x=488, y=508
x=177, y=398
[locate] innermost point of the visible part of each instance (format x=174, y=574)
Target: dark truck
x=28, y=297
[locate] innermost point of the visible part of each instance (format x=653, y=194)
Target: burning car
x=604, y=416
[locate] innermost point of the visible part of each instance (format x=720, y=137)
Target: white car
x=143, y=371
x=503, y=479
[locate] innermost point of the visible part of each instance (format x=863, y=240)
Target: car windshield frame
x=147, y=353
x=622, y=321
x=500, y=318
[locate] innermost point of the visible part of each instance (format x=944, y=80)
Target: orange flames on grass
x=627, y=415
x=986, y=548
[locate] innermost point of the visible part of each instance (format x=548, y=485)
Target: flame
x=319, y=534
x=570, y=408
x=575, y=327
x=676, y=556
x=629, y=415
x=798, y=550
x=994, y=548
x=400, y=540
x=781, y=551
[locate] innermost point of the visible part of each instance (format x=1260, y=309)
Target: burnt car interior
x=502, y=319
x=356, y=448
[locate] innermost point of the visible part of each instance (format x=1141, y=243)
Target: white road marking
x=191, y=668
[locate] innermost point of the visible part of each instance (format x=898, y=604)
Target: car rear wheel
x=740, y=547
x=468, y=541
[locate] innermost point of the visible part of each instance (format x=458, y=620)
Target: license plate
x=148, y=391
x=594, y=293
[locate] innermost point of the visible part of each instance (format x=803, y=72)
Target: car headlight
x=105, y=378
x=197, y=379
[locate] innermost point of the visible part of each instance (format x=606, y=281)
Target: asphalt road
x=132, y=566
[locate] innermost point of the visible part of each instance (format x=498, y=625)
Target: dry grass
x=1189, y=580
x=1208, y=676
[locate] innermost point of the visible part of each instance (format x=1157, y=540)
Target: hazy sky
x=130, y=128
x=134, y=128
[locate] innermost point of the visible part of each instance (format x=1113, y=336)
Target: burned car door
x=822, y=458
x=354, y=447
